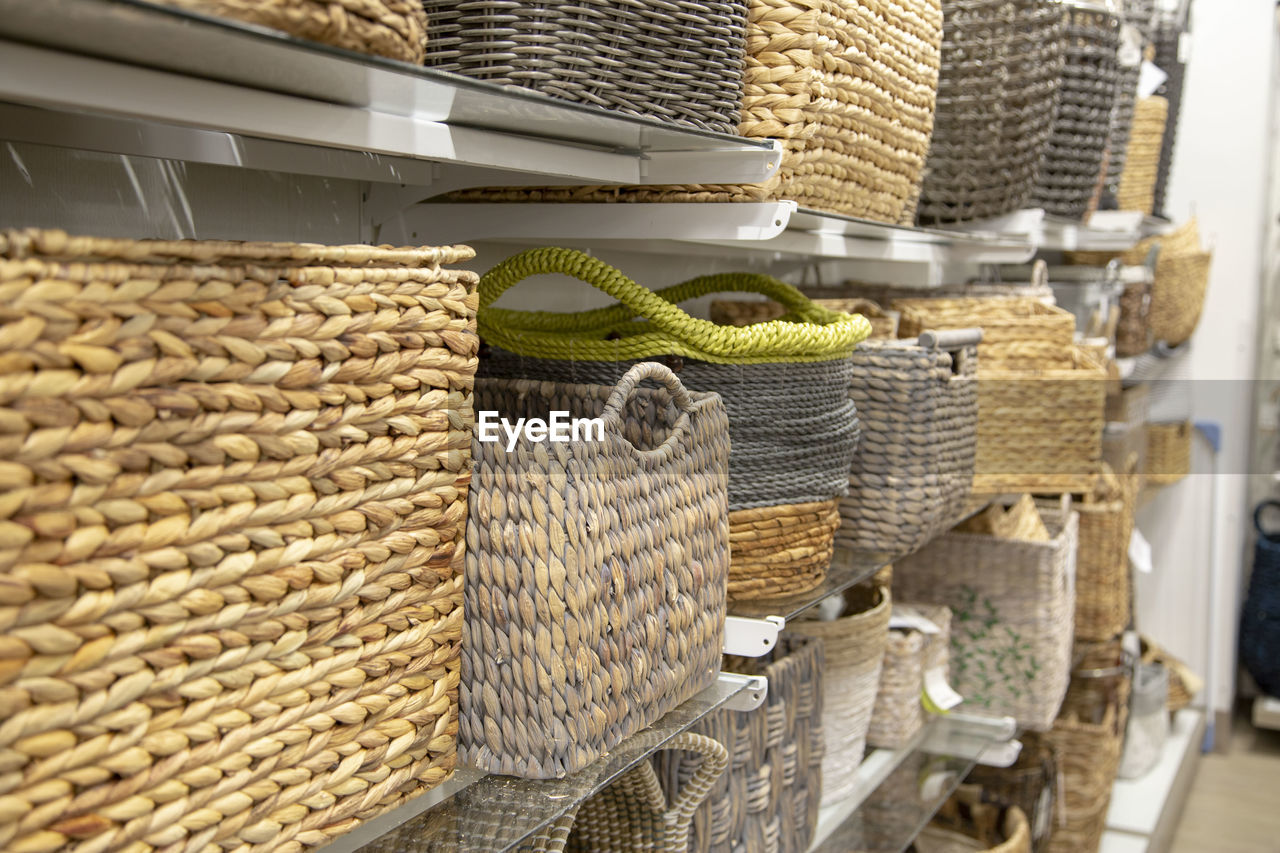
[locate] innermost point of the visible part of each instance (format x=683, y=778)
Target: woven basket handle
x=715, y=760
x=1257, y=519
x=950, y=339
x=626, y=388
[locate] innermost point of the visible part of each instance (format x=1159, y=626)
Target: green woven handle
x=645, y=323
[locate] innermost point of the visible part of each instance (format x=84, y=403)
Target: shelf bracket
x=755, y=688
x=751, y=638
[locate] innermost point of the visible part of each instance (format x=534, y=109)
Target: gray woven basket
x=678, y=60
x=917, y=401
x=596, y=572
x=1167, y=38
x=997, y=98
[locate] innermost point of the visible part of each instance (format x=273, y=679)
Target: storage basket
x=1075, y=154
x=1260, y=622
x=596, y=571
x=853, y=651
x=396, y=29
x=1103, y=583
x=785, y=384
x=732, y=313
x=898, y=713
x=848, y=88
x=677, y=60
x=234, y=482
x=768, y=798
x=1011, y=606
x=997, y=97
x=966, y=825
x=917, y=402
x=1168, y=43
x=635, y=815
x=1024, y=331
x=1030, y=784
x=1137, y=186
x=1168, y=458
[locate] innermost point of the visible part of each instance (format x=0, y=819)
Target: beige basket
x=1137, y=190
x=898, y=713
x=1019, y=334
x=1103, y=584
x=1168, y=458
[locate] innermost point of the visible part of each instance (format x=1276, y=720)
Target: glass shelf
x=848, y=568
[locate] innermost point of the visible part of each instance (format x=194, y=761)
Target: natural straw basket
x=235, y=480
x=1168, y=458
x=997, y=96
x=734, y=313
x=898, y=712
x=396, y=29
x=1012, y=329
x=1011, y=604
x=1137, y=187
x=678, y=60
x=965, y=824
x=1103, y=584
x=853, y=651
x=1183, y=683
x=1030, y=783
x=596, y=572
x=917, y=401
x=768, y=799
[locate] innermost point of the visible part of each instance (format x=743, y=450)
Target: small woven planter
x=898, y=713
x=1137, y=186
x=726, y=313
x=235, y=479
x=1011, y=614
x=964, y=826
x=918, y=406
x=678, y=60
x=1074, y=162
x=1260, y=619
x=1030, y=784
x=1103, y=583
x=853, y=651
x=1168, y=457
x=997, y=97
x=768, y=798
x=595, y=567
x=396, y=29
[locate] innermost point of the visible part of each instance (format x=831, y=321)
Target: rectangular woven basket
x=1103, y=585
x=1168, y=458
x=1016, y=332
x=235, y=477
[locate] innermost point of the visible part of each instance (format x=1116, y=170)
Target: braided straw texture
x=853, y=647
x=1030, y=784
x=1137, y=187
x=1074, y=162
x=898, y=712
x=1168, y=457
x=596, y=572
x=741, y=313
x=997, y=98
x=1103, y=585
x=678, y=60
x=910, y=479
x=780, y=550
x=635, y=815
x=977, y=827
x=1016, y=329
x=849, y=88
x=234, y=480
x=1011, y=602
x=396, y=29
x=768, y=799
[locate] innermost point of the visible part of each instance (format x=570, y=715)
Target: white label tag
x=1184, y=48
x=1140, y=552
x=1149, y=79
x=940, y=693
x=935, y=784
x=1130, y=53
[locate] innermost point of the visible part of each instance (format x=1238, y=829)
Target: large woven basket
x=917, y=401
x=678, y=60
x=1030, y=783
x=1137, y=186
x=739, y=313
x=785, y=384
x=997, y=98
x=1075, y=155
x=1011, y=602
x=1168, y=458
x=768, y=798
x=396, y=29
x=898, y=713
x=1103, y=582
x=596, y=571
x=964, y=824
x=235, y=480
x=853, y=651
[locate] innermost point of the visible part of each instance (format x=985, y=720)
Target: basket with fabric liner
x=236, y=476
x=785, y=384
x=677, y=60
x=899, y=713
x=596, y=571
x=1168, y=458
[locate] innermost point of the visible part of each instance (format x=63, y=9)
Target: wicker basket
x=678, y=60
x=1168, y=458
x=1011, y=604
x=619, y=616
x=1074, y=161
x=733, y=313
x=1184, y=684
x=918, y=406
x=1030, y=784
x=1015, y=332
x=965, y=825
x=785, y=384
x=1137, y=187
x=1167, y=40
x=1103, y=582
x=898, y=713
x=396, y=29
x=853, y=648
x=997, y=96
x=768, y=799
x=235, y=481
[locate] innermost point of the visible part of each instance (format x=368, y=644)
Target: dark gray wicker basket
x=1168, y=36
x=1141, y=15
x=1073, y=164
x=679, y=60
x=997, y=98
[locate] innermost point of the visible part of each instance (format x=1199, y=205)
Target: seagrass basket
x=1103, y=583
x=899, y=713
x=1011, y=606
x=1137, y=185
x=396, y=29
x=966, y=824
x=917, y=402
x=853, y=650
x=596, y=568
x=677, y=60
x=997, y=97
x=1025, y=331
x=1030, y=784
x=884, y=324
x=235, y=481
x=1168, y=458
x=1074, y=161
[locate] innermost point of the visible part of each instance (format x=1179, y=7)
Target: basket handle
x=715, y=760
x=1257, y=519
x=626, y=389
x=949, y=339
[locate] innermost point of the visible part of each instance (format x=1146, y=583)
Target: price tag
x=1140, y=552
x=939, y=693
x=1149, y=79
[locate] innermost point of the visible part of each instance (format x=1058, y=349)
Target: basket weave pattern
x=899, y=712
x=235, y=476
x=1137, y=186
x=1168, y=38
x=1168, y=457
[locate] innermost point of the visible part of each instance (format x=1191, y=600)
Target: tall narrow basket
x=1137, y=185
x=898, y=713
x=1103, y=583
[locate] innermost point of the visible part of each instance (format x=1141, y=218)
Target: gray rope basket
x=997, y=97
x=596, y=572
x=678, y=60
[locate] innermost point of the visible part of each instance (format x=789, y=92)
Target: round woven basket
x=962, y=826
x=736, y=313
x=1168, y=457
